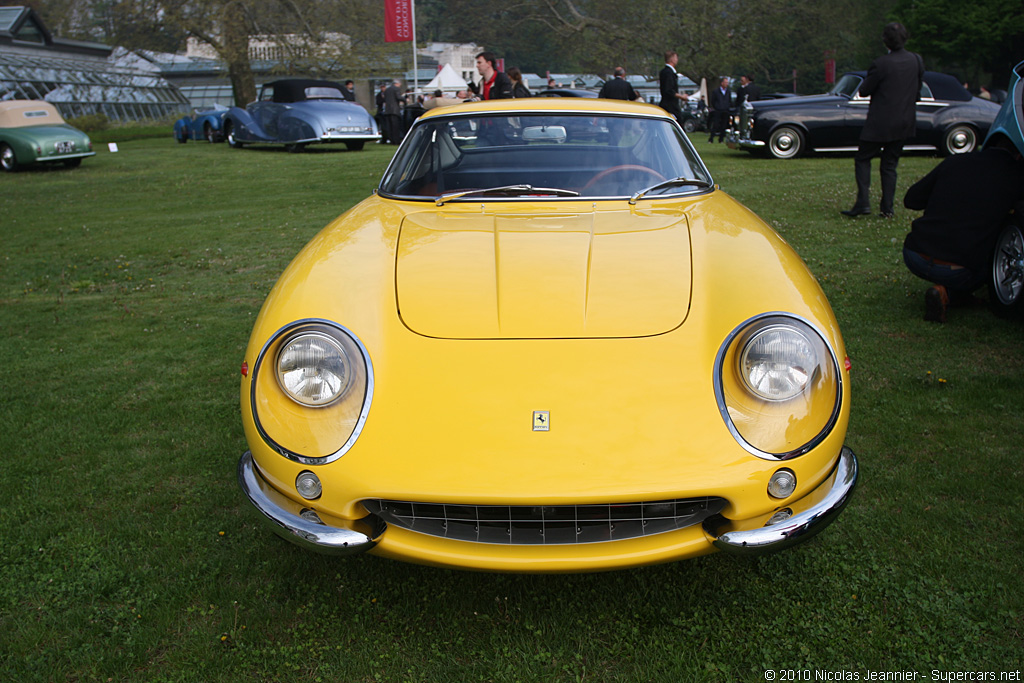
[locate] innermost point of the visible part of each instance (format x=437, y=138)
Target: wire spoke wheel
x=1007, y=285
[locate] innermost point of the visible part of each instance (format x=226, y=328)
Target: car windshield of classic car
x=847, y=85
x=544, y=155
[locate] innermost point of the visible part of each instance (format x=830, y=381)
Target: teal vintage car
x=32, y=131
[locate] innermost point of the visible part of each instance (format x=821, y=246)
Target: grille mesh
x=546, y=525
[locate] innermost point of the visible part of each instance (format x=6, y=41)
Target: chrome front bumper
x=798, y=528
x=734, y=141
x=284, y=518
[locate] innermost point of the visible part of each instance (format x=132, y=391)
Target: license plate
x=64, y=147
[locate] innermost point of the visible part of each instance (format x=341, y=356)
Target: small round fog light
x=308, y=485
x=780, y=516
x=782, y=484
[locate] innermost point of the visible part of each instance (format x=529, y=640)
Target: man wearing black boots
x=893, y=83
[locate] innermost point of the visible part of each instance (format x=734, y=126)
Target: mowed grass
x=128, y=288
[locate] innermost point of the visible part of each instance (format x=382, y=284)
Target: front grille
x=545, y=525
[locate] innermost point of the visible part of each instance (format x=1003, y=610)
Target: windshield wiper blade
x=506, y=189
x=681, y=180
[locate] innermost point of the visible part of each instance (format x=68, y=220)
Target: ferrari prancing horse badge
x=541, y=421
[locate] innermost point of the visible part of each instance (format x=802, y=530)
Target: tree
x=986, y=36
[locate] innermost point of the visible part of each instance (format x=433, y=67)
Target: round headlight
x=778, y=362
x=778, y=385
x=314, y=369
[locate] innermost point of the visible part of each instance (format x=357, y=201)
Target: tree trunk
x=235, y=36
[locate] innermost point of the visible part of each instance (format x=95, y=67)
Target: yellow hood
x=544, y=275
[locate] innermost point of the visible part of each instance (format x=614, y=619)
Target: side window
x=926, y=92
x=267, y=95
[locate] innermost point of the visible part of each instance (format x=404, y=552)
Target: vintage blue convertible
x=298, y=112
x=949, y=120
x=1006, y=289
x=202, y=124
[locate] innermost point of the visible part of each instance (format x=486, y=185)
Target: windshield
x=847, y=85
x=543, y=155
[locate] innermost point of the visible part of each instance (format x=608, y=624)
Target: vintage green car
x=32, y=131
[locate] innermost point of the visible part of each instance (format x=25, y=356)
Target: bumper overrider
x=286, y=520
x=734, y=140
x=302, y=527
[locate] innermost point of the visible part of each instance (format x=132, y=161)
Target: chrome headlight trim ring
x=297, y=327
x=720, y=392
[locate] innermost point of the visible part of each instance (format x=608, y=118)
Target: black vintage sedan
x=949, y=120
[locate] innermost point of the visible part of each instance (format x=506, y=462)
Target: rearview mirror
x=554, y=134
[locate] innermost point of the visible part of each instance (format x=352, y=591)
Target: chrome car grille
x=545, y=525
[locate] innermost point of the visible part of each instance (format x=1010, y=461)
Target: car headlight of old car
x=311, y=389
x=778, y=386
x=314, y=369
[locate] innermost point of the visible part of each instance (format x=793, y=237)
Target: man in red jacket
x=495, y=85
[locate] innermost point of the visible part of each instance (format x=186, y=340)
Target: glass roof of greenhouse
x=78, y=78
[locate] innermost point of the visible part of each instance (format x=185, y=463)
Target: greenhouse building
x=79, y=77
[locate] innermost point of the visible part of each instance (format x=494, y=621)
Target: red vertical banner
x=830, y=66
x=397, y=20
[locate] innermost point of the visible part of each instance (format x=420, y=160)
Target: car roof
x=943, y=86
x=294, y=89
x=552, y=104
x=19, y=113
x=566, y=92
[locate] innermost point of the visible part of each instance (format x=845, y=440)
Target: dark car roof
x=294, y=89
x=943, y=86
x=566, y=92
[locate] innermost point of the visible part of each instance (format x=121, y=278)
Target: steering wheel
x=623, y=168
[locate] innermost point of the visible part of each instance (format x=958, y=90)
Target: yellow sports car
x=548, y=343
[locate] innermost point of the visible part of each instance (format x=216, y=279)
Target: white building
x=461, y=56
x=280, y=48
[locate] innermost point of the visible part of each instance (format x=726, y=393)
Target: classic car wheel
x=354, y=146
x=1006, y=288
x=623, y=168
x=229, y=133
x=182, y=137
x=786, y=142
x=209, y=134
x=959, y=140
x=689, y=125
x=8, y=161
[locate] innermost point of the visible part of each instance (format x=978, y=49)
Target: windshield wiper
x=681, y=180
x=506, y=189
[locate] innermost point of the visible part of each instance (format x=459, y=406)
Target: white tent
x=448, y=80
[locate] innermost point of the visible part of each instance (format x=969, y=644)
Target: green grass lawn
x=128, y=288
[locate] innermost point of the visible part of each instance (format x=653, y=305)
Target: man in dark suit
x=747, y=92
x=393, y=112
x=379, y=116
x=719, y=114
x=618, y=88
x=349, y=91
x=893, y=83
x=668, y=82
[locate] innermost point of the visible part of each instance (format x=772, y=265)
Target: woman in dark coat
x=519, y=88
